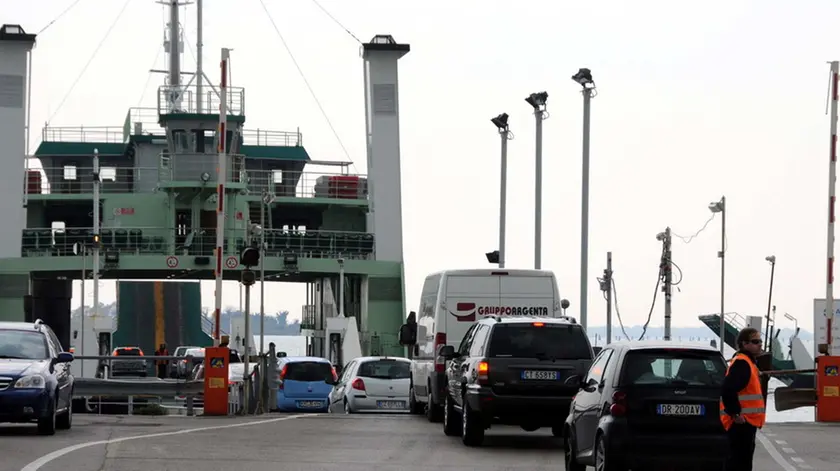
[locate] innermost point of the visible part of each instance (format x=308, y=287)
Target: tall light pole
x=720, y=207
x=772, y=260
x=501, y=123
x=584, y=78
x=537, y=101
x=795, y=322
x=267, y=199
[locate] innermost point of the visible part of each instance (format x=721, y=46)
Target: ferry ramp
x=315, y=442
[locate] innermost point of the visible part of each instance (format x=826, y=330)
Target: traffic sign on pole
x=231, y=262
x=172, y=261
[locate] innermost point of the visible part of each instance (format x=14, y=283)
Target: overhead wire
x=318, y=4
x=617, y=312
x=699, y=231
x=306, y=82
x=90, y=60
x=60, y=15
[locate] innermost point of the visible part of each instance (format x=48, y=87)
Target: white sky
x=695, y=100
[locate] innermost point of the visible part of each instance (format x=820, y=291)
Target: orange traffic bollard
x=216, y=364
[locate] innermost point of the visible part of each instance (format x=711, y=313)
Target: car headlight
x=31, y=382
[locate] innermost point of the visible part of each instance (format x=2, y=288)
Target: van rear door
x=467, y=297
x=527, y=295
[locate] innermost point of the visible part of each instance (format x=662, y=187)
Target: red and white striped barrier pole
x=832, y=177
x=220, y=196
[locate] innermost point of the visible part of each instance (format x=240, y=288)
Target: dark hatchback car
x=36, y=384
x=515, y=371
x=649, y=404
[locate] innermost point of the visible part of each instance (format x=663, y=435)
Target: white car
x=372, y=384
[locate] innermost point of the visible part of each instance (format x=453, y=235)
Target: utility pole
x=666, y=273
x=606, y=287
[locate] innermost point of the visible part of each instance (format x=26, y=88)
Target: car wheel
x=46, y=425
x=472, y=431
x=434, y=412
x=415, y=407
x=347, y=408
x=451, y=421
x=65, y=420
x=603, y=462
x=570, y=450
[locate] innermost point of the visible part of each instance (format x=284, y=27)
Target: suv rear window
x=129, y=352
x=537, y=340
x=668, y=366
x=385, y=369
x=308, y=371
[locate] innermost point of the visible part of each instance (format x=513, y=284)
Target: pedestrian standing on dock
x=161, y=364
x=742, y=406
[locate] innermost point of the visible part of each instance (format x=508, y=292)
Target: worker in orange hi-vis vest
x=742, y=408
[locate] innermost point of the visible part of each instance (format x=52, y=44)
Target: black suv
x=514, y=371
x=646, y=404
x=36, y=384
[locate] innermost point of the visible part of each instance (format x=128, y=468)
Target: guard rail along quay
x=129, y=394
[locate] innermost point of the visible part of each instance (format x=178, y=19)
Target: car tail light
x=281, y=377
x=334, y=374
x=440, y=363
x=483, y=372
x=619, y=405
x=538, y=324
x=358, y=384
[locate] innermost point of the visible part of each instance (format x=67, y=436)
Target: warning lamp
x=538, y=324
x=250, y=257
x=96, y=239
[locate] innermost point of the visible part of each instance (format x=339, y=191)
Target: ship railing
x=308, y=184
x=200, y=168
x=309, y=317
x=96, y=134
x=70, y=180
x=142, y=121
x=185, y=100
x=262, y=137
x=117, y=235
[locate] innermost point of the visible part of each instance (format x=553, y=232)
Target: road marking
x=49, y=457
x=774, y=453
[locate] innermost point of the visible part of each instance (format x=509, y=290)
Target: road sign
x=172, y=261
x=231, y=262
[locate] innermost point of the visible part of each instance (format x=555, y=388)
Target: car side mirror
x=574, y=380
x=447, y=352
x=64, y=357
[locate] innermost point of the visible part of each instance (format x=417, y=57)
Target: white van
x=450, y=303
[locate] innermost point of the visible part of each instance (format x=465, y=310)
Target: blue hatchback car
x=304, y=384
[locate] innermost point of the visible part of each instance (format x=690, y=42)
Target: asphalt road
x=298, y=442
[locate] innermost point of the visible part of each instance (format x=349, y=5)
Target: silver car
x=372, y=384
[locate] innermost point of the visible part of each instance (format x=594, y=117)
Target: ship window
x=108, y=174
x=70, y=172
x=199, y=141
x=277, y=176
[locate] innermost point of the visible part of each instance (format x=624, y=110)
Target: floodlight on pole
x=538, y=102
x=583, y=77
x=772, y=260
x=501, y=123
x=793, y=319
x=720, y=207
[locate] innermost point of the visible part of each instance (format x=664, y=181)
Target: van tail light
x=440, y=363
x=619, y=405
x=358, y=384
x=281, y=377
x=483, y=372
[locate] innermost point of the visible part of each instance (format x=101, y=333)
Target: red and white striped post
x=220, y=196
x=832, y=177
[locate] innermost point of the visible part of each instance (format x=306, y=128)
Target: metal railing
x=165, y=241
x=308, y=184
x=70, y=180
x=309, y=317
x=261, y=137
x=181, y=99
x=142, y=121
x=197, y=167
x=106, y=134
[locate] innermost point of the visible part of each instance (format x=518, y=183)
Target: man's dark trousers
x=742, y=447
